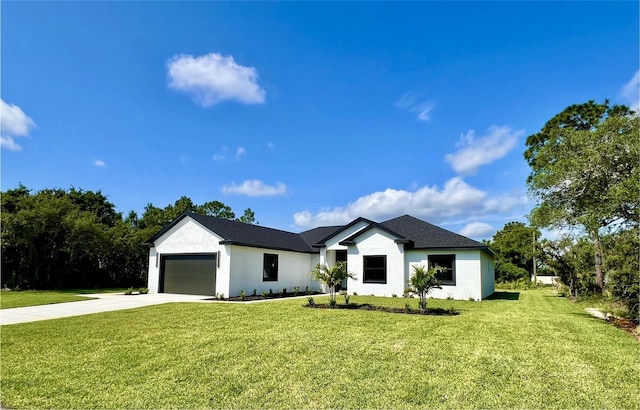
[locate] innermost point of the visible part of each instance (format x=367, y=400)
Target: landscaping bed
x=406, y=310
x=268, y=296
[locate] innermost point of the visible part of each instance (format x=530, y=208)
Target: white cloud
x=9, y=143
x=409, y=102
x=214, y=78
x=631, y=91
x=424, y=110
x=254, y=187
x=13, y=123
x=455, y=203
x=455, y=198
x=475, y=152
x=99, y=163
x=239, y=152
x=477, y=230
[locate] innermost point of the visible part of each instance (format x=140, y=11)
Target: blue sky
x=308, y=113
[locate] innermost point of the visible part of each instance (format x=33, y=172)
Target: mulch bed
x=366, y=306
x=250, y=298
x=628, y=325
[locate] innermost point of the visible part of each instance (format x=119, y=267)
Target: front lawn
x=527, y=349
x=21, y=298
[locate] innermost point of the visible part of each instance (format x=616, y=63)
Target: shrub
x=143, y=291
x=255, y=292
x=310, y=301
x=346, y=299
x=296, y=290
x=422, y=282
x=284, y=291
x=129, y=291
x=280, y=294
x=307, y=290
x=270, y=292
x=355, y=293
x=264, y=293
x=393, y=295
x=243, y=295
x=331, y=276
x=520, y=284
x=332, y=303
x=407, y=308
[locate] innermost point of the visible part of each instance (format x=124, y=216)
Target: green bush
x=129, y=291
x=520, y=284
x=243, y=295
x=508, y=272
x=310, y=301
x=143, y=291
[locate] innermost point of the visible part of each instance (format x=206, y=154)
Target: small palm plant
x=330, y=277
x=422, y=282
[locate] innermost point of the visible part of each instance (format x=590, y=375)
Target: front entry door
x=341, y=256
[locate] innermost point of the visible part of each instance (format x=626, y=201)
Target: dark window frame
x=365, y=268
x=270, y=276
x=451, y=270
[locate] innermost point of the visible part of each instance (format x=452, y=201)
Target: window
x=270, y=268
x=448, y=262
x=375, y=269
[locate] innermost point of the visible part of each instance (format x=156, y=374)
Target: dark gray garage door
x=188, y=274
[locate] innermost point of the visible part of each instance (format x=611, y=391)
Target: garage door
x=188, y=274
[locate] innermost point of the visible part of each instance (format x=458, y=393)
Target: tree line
x=60, y=239
x=585, y=176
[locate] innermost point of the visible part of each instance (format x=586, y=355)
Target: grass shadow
x=504, y=295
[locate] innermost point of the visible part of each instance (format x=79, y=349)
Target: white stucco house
x=204, y=255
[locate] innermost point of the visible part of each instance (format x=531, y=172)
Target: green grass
x=530, y=349
x=13, y=299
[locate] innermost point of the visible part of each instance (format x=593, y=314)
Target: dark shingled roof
x=428, y=236
x=418, y=233
x=314, y=236
x=239, y=233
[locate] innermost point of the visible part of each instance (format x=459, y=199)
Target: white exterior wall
x=188, y=237
x=488, y=275
x=373, y=243
x=468, y=269
x=247, y=264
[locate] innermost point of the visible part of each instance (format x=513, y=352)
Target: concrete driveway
x=105, y=302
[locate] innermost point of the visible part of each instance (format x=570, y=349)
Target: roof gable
x=243, y=234
x=350, y=240
x=340, y=229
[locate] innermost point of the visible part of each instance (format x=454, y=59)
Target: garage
x=188, y=274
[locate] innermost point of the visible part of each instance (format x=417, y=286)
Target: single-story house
x=204, y=255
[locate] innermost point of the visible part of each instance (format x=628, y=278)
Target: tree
x=623, y=262
x=584, y=167
x=330, y=277
x=217, y=209
x=422, y=282
x=516, y=248
x=249, y=217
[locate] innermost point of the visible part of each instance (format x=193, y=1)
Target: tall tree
x=249, y=217
x=584, y=165
x=516, y=247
